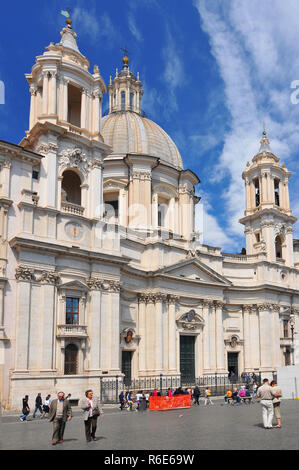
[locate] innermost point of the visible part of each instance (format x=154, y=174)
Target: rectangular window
x=285, y=328
x=35, y=175
x=72, y=311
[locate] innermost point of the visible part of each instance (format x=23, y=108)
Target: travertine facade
x=101, y=269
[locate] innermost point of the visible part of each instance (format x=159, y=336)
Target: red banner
x=169, y=403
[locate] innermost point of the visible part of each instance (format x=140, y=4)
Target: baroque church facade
x=102, y=272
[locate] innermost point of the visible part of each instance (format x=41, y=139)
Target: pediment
x=194, y=270
x=74, y=285
x=114, y=184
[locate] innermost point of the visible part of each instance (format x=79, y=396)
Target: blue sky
x=213, y=71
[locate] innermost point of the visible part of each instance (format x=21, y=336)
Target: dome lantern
x=125, y=91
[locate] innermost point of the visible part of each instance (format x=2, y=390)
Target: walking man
x=196, y=395
x=266, y=394
x=92, y=410
x=38, y=405
x=25, y=408
x=60, y=412
x=276, y=403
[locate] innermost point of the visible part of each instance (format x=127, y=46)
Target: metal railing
x=110, y=387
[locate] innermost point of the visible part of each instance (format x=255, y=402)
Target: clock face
x=74, y=230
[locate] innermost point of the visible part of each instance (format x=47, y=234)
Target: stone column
x=172, y=344
x=65, y=100
x=32, y=119
x=206, y=337
x=95, y=326
x=5, y=178
x=142, y=332
x=266, y=347
x=276, y=336
x=53, y=108
x=115, y=329
x=219, y=339
x=247, y=338
x=45, y=92
x=96, y=112
x=23, y=277
x=83, y=108
x=159, y=332
x=49, y=320
x=150, y=329
x=212, y=333
x=105, y=331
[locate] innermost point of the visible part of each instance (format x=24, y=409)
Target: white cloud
x=254, y=47
x=173, y=72
x=87, y=22
x=133, y=27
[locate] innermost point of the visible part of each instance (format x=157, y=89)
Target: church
x=102, y=272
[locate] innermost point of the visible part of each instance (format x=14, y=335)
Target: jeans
x=24, y=417
x=267, y=409
x=38, y=407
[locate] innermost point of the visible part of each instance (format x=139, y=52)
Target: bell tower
x=63, y=91
x=268, y=218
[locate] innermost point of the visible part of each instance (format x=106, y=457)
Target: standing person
x=266, y=394
x=276, y=403
x=92, y=410
x=25, y=408
x=122, y=402
x=46, y=406
x=68, y=397
x=38, y=405
x=208, y=394
x=60, y=412
x=196, y=395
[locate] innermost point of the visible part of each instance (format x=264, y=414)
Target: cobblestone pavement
x=212, y=427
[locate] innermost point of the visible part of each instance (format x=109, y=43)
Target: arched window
x=123, y=100
x=71, y=360
x=276, y=191
x=74, y=105
x=71, y=187
x=257, y=191
x=278, y=247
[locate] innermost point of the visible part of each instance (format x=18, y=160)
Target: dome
x=128, y=132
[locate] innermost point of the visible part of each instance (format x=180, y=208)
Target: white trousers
x=268, y=412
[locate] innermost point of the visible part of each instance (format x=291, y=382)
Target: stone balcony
x=72, y=331
x=72, y=208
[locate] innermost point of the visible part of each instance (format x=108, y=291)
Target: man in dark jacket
x=196, y=395
x=38, y=405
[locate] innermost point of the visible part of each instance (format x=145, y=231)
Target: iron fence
x=110, y=387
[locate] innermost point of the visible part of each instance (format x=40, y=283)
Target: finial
x=265, y=142
x=116, y=72
x=126, y=59
x=110, y=80
x=67, y=14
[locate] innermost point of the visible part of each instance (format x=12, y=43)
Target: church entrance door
x=187, y=359
x=126, y=366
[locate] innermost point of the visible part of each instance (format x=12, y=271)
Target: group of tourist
x=59, y=411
